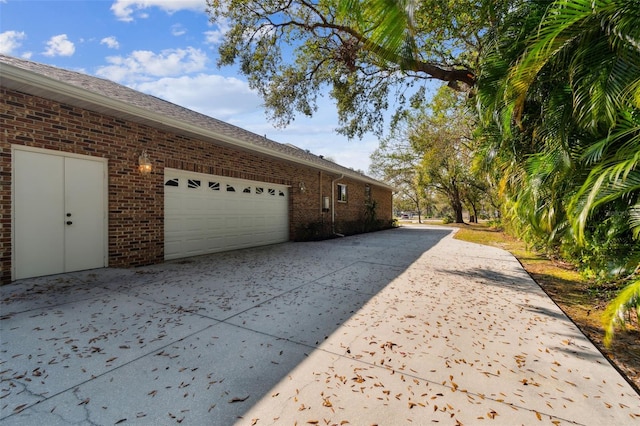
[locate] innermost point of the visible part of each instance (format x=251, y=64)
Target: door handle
x=69, y=222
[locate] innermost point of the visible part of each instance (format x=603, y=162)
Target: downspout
x=333, y=205
x=320, y=195
x=320, y=204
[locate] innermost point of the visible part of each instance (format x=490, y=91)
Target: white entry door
x=59, y=213
x=207, y=213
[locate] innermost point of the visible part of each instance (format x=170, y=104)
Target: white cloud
x=178, y=30
x=111, y=42
x=216, y=96
x=11, y=40
x=142, y=65
x=224, y=26
x=231, y=100
x=59, y=46
x=215, y=36
x=318, y=135
x=179, y=76
x=124, y=9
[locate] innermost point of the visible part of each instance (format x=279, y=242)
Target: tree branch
x=454, y=76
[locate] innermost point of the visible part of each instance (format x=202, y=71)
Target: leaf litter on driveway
x=345, y=331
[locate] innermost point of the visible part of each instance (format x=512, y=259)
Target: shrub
x=313, y=231
x=447, y=219
x=316, y=231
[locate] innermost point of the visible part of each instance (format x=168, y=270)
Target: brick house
x=75, y=194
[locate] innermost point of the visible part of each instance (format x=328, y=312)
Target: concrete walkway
x=406, y=326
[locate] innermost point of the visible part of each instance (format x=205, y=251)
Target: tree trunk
x=456, y=201
x=473, y=218
x=458, y=211
x=419, y=211
x=456, y=206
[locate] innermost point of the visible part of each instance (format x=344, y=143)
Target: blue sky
x=166, y=48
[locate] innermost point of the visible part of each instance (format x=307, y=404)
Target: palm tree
x=530, y=162
x=570, y=90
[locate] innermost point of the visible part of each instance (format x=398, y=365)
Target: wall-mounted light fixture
x=144, y=163
x=303, y=188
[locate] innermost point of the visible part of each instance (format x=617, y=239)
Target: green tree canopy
x=443, y=133
x=430, y=151
x=366, y=54
x=396, y=162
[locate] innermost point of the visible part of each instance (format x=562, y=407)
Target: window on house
x=247, y=190
x=172, y=182
x=214, y=186
x=259, y=190
x=230, y=188
x=193, y=183
x=272, y=191
x=342, y=193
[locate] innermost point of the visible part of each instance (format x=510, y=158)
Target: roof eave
x=10, y=73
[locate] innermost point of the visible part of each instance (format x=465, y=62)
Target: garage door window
x=209, y=213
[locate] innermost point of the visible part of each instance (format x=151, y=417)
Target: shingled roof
x=105, y=96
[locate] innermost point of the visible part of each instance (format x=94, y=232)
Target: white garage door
x=207, y=214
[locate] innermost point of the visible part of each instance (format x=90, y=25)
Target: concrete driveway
x=406, y=326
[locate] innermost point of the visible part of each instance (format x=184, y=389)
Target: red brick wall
x=136, y=202
x=384, y=201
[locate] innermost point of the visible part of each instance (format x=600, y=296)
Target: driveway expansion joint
x=406, y=325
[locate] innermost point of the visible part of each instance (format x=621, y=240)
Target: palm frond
x=619, y=308
x=634, y=220
x=387, y=24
